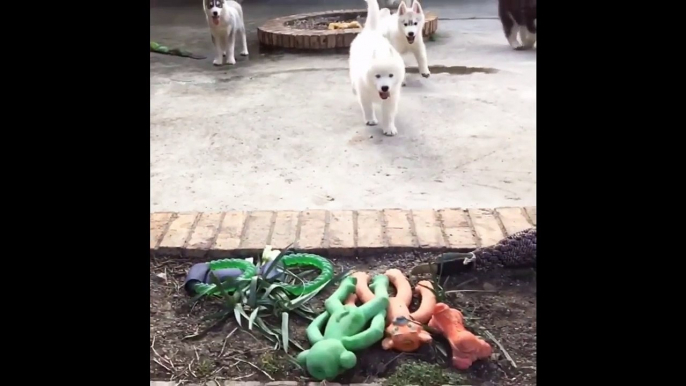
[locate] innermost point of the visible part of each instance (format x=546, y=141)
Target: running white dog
x=404, y=30
x=225, y=19
x=376, y=72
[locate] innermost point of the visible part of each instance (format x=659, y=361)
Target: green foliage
x=440, y=348
x=277, y=364
x=422, y=374
x=251, y=302
x=436, y=282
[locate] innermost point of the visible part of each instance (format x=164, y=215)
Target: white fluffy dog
x=225, y=19
x=404, y=30
x=376, y=72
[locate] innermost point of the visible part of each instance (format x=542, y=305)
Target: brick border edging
x=333, y=233
x=254, y=383
x=276, y=33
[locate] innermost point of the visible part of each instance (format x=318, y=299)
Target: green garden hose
x=308, y=260
x=160, y=49
x=248, y=270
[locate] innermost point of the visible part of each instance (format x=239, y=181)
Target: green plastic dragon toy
x=332, y=353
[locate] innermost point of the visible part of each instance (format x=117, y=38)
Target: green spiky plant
x=440, y=348
x=252, y=301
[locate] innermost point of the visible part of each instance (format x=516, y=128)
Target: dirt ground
x=322, y=22
x=499, y=306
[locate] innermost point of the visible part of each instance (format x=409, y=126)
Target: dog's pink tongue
x=384, y=95
x=215, y=20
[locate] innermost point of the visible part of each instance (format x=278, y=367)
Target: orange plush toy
x=466, y=346
x=404, y=331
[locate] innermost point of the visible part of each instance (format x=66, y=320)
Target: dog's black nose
x=384, y=88
x=410, y=34
x=214, y=13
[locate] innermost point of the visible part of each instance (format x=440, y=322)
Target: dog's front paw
x=244, y=53
x=516, y=45
x=218, y=61
x=231, y=60
x=426, y=74
x=371, y=122
x=390, y=130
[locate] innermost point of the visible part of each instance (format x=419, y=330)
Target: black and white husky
x=225, y=19
x=518, y=18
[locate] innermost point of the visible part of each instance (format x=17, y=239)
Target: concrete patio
x=282, y=131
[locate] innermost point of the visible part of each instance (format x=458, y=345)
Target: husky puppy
x=518, y=17
x=404, y=30
x=225, y=19
x=376, y=72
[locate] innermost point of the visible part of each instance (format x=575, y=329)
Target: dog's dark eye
x=415, y=23
x=378, y=76
x=405, y=24
x=390, y=75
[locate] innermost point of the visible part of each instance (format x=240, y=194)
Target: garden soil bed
x=499, y=305
x=322, y=22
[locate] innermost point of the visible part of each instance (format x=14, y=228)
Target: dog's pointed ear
x=416, y=7
x=402, y=8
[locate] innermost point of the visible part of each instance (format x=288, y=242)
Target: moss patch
x=276, y=364
x=422, y=374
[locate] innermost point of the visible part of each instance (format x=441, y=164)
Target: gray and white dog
x=225, y=19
